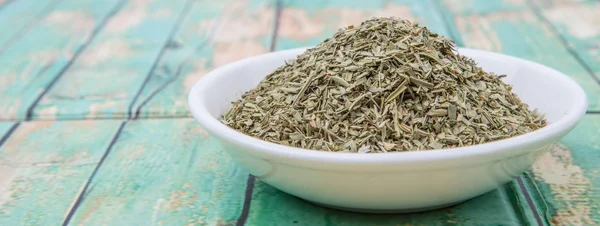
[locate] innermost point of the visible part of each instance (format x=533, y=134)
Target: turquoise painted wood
x=103, y=81
x=523, y=35
x=273, y=207
x=306, y=23
x=44, y=165
x=19, y=16
x=242, y=29
x=107, y=59
x=31, y=63
x=575, y=23
x=559, y=3
x=482, y=6
x=4, y=128
x=189, y=44
x=164, y=172
x=568, y=178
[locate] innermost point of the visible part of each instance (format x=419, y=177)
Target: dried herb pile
x=385, y=85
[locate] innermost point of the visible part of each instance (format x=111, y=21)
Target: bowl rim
x=196, y=104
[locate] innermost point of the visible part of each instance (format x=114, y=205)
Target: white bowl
x=391, y=182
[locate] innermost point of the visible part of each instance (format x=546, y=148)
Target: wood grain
x=273, y=207
x=35, y=60
x=522, y=35
x=559, y=3
x=188, y=45
x=103, y=81
x=568, y=177
x=4, y=127
x=206, y=41
x=306, y=23
x=459, y=7
x=19, y=16
x=577, y=24
x=43, y=165
x=164, y=172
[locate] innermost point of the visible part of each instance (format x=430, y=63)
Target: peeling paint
x=71, y=20
x=568, y=184
x=580, y=20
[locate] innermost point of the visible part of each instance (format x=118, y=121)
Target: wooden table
x=96, y=131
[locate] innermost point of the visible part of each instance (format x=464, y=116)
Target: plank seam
x=96, y=30
x=209, y=38
x=29, y=25
x=247, y=201
x=82, y=194
x=539, y=197
x=188, y=5
x=532, y=206
x=538, y=13
x=251, y=179
x=9, y=133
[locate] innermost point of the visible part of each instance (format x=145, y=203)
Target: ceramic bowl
x=391, y=182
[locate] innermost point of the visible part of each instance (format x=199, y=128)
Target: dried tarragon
x=386, y=85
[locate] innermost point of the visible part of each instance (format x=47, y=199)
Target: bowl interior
x=540, y=87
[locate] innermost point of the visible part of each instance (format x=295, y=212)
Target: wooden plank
x=483, y=6
x=43, y=166
x=559, y=3
x=306, y=23
x=103, y=81
x=575, y=23
x=273, y=207
x=522, y=35
x=187, y=45
x=5, y=127
x=168, y=171
x=568, y=178
x=243, y=29
x=32, y=63
x=16, y=18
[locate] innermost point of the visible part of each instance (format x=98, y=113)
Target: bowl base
x=385, y=211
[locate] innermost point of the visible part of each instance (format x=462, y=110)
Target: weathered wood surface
x=520, y=33
x=564, y=194
x=568, y=178
x=34, y=61
x=137, y=59
x=216, y=33
x=103, y=81
x=44, y=165
x=19, y=16
x=175, y=175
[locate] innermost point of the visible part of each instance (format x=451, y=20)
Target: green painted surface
x=241, y=29
x=44, y=165
x=306, y=23
x=31, y=63
x=482, y=6
x=170, y=172
x=523, y=35
x=188, y=45
x=568, y=178
x=103, y=81
x=577, y=24
x=273, y=207
x=19, y=16
x=164, y=172
x=5, y=127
